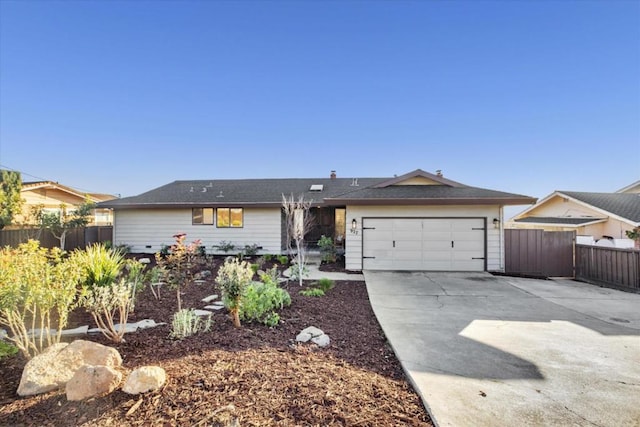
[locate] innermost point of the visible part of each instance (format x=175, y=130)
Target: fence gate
x=539, y=253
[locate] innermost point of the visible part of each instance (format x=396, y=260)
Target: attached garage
x=430, y=244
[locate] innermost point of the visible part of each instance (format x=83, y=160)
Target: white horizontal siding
x=353, y=242
x=147, y=230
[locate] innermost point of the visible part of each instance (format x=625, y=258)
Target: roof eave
x=561, y=224
x=432, y=201
x=182, y=205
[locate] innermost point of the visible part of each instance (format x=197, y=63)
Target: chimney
x=439, y=172
x=333, y=175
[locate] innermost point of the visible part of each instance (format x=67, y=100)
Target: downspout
x=501, y=239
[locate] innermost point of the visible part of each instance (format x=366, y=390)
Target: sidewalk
x=313, y=266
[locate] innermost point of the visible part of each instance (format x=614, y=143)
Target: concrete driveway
x=501, y=351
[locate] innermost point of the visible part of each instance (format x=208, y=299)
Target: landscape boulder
x=144, y=379
x=308, y=333
x=92, y=381
x=56, y=365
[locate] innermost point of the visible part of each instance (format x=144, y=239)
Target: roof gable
x=624, y=207
x=419, y=177
x=38, y=186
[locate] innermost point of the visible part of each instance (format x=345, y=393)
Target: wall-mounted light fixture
x=496, y=223
x=354, y=226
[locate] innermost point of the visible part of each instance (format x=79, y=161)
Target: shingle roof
x=625, y=205
x=434, y=193
x=558, y=220
x=268, y=192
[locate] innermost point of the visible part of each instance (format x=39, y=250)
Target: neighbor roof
x=35, y=185
x=559, y=220
x=335, y=191
x=625, y=205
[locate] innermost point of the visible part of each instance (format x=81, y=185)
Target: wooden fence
x=609, y=267
x=76, y=238
x=539, y=253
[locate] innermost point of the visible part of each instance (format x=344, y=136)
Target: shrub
x=260, y=301
x=202, y=251
x=297, y=273
x=156, y=277
x=38, y=289
x=106, y=303
x=251, y=250
x=134, y=271
x=283, y=259
x=178, y=263
x=100, y=266
x=255, y=268
x=233, y=277
x=267, y=257
x=7, y=349
x=325, y=284
x=225, y=246
x=164, y=250
x=186, y=323
x=327, y=249
x=312, y=292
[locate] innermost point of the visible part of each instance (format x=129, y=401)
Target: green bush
x=327, y=249
x=312, y=292
x=186, y=323
x=225, y=246
x=255, y=268
x=260, y=301
x=7, y=349
x=233, y=277
x=251, y=250
x=325, y=284
x=268, y=257
x=38, y=289
x=100, y=266
x=283, y=259
x=109, y=305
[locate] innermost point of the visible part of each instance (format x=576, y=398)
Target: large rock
x=54, y=367
x=309, y=333
x=92, y=381
x=144, y=379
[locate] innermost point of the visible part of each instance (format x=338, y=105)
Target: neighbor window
x=230, y=217
x=202, y=216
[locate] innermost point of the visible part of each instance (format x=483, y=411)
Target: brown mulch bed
x=252, y=376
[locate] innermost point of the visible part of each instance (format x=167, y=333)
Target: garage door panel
x=476, y=246
x=436, y=255
x=408, y=245
x=437, y=245
x=425, y=244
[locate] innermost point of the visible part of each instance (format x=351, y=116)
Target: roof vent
x=439, y=172
x=204, y=189
x=316, y=187
x=191, y=191
x=333, y=175
x=220, y=195
x=354, y=183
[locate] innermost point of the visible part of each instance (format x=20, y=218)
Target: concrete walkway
x=313, y=264
x=499, y=351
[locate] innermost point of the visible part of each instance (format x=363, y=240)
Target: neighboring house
x=631, y=189
x=600, y=215
x=417, y=221
x=50, y=195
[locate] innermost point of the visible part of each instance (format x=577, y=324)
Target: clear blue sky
x=124, y=96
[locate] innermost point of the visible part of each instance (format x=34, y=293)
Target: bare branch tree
x=298, y=222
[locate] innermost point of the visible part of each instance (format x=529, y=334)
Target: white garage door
x=431, y=244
